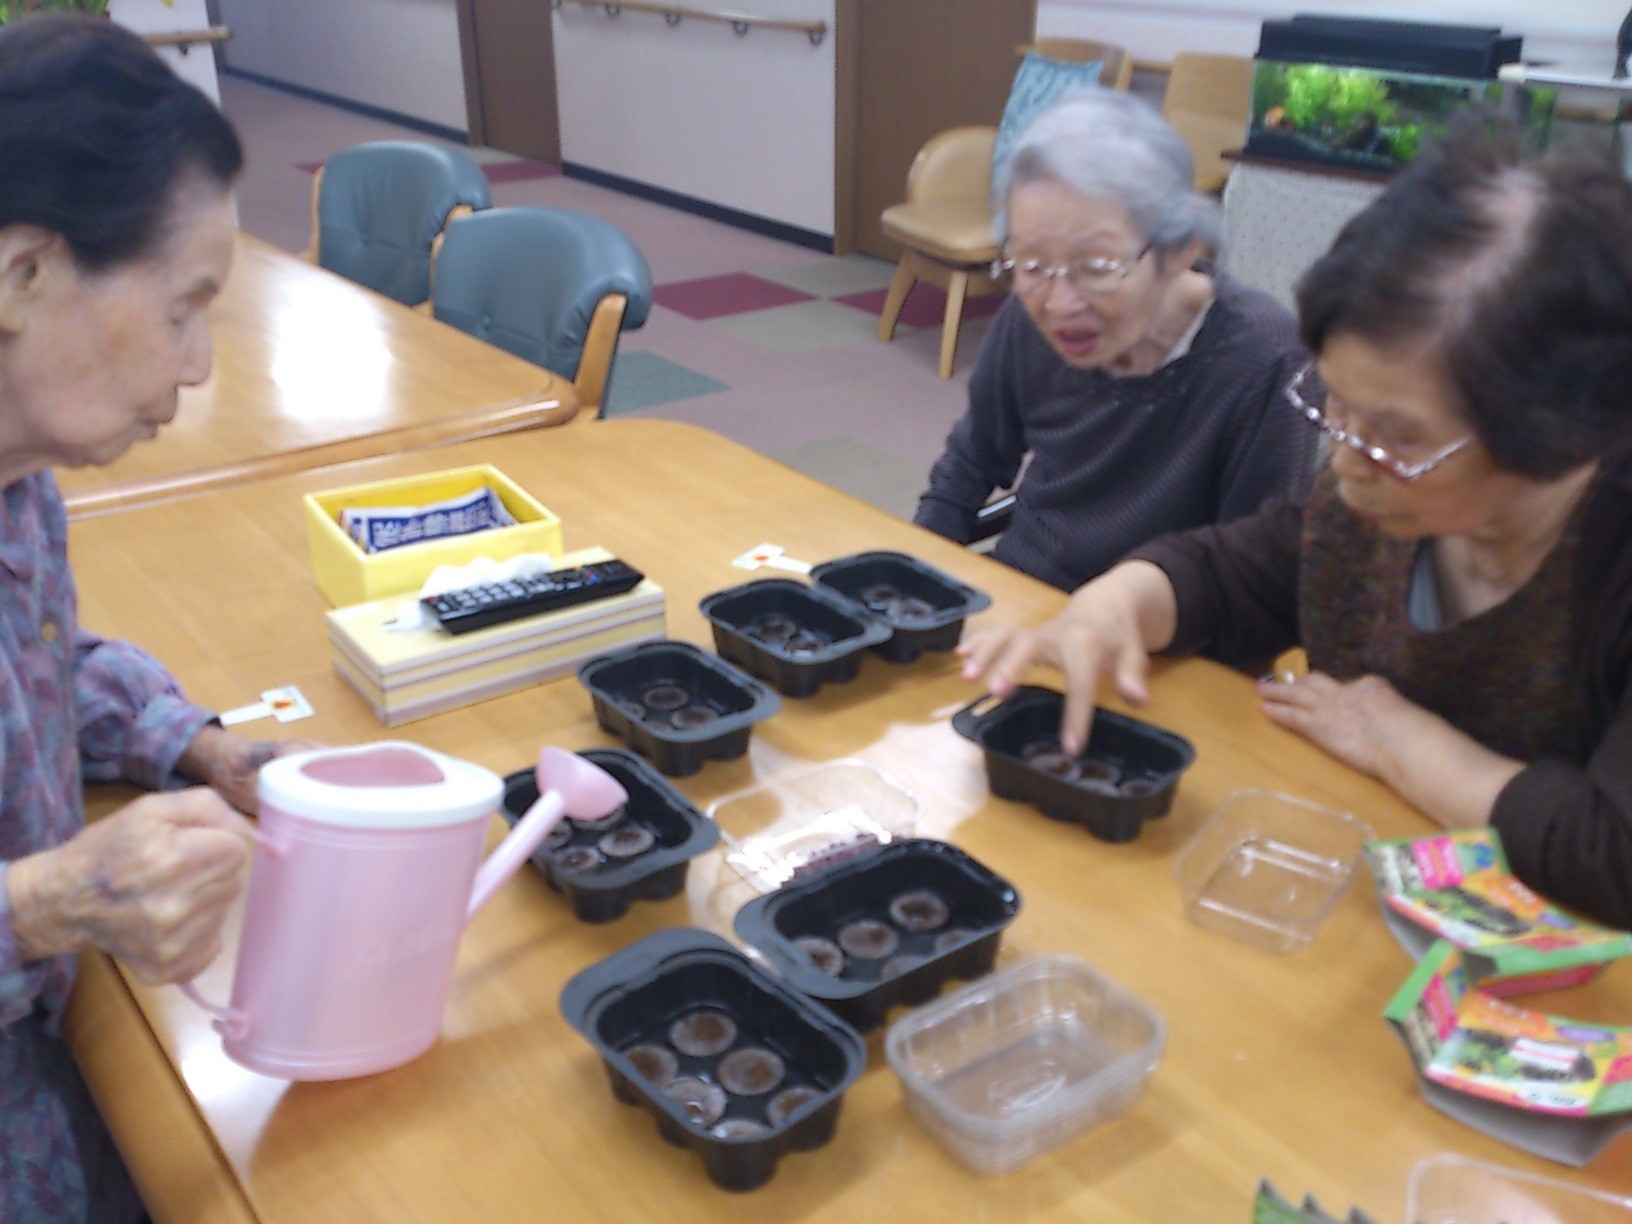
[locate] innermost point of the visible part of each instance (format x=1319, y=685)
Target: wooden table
x=1275, y=1066
x=311, y=369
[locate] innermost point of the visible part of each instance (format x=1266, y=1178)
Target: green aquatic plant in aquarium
x=16, y=10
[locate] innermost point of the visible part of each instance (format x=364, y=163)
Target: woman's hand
x=1366, y=724
x=151, y=885
x=1109, y=628
x=1357, y=721
x=230, y=763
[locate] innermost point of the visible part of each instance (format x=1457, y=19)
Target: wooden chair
x=379, y=210
x=945, y=225
x=553, y=286
x=1209, y=103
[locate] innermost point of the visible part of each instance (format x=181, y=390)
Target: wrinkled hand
x=151, y=885
x=231, y=763
x=1104, y=630
x=1355, y=721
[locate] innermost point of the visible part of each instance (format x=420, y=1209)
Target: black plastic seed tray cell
x=1127, y=775
x=924, y=607
x=603, y=867
x=675, y=704
x=892, y=926
x=732, y=1063
x=796, y=636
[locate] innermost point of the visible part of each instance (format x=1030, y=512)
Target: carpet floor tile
x=803, y=328
x=713, y=297
x=645, y=380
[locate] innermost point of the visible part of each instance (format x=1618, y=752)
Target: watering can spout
x=568, y=787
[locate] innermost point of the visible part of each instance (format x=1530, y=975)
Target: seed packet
x=377, y=528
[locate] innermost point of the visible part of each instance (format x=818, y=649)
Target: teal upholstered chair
x=378, y=209
x=550, y=285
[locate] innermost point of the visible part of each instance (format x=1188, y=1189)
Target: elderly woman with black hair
x=116, y=230
x=1145, y=388
x=1461, y=576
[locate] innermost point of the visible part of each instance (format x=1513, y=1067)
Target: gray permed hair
x=1109, y=144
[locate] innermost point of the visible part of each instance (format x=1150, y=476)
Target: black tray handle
x=974, y=599
x=968, y=721
x=588, y=986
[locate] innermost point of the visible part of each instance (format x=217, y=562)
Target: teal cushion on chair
x=1038, y=84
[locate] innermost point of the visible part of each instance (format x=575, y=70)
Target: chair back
x=1209, y=103
x=530, y=280
x=381, y=206
x=1116, y=65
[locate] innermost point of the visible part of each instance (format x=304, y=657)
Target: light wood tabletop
x=1275, y=1066
x=312, y=369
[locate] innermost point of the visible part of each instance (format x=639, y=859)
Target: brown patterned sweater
x=1551, y=668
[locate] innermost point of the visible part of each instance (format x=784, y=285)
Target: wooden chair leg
x=957, y=289
x=900, y=285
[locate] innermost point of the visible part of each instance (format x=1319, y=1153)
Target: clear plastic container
x=1452, y=1189
x=1018, y=1063
x=1269, y=869
x=800, y=823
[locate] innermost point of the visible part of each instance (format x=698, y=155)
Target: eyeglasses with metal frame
x=1384, y=459
x=1093, y=277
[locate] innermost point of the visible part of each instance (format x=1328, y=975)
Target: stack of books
x=409, y=674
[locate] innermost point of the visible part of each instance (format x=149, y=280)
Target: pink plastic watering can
x=366, y=870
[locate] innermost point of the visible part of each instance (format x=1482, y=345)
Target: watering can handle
x=516, y=848
x=232, y=1022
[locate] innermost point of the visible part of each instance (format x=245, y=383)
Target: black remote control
x=480, y=606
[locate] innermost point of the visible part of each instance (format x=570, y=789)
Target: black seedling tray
x=1127, y=775
x=796, y=636
x=635, y=999
x=923, y=606
x=851, y=914
x=609, y=879
x=724, y=702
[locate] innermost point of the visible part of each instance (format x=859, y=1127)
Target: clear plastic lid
x=797, y=824
x=1451, y=1189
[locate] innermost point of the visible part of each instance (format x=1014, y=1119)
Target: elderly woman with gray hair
x=1144, y=385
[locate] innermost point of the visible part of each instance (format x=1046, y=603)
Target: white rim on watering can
x=465, y=792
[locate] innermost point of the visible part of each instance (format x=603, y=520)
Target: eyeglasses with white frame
x=1091, y=277
x=1400, y=468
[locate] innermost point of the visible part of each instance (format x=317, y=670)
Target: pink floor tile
x=713, y=297
x=926, y=305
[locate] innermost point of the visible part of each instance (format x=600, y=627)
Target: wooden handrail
x=466, y=427
x=740, y=23
x=186, y=38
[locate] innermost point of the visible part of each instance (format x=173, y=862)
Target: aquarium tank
x=1367, y=94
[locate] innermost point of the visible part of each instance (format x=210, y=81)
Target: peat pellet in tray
x=657, y=1065
x=627, y=842
x=827, y=955
x=689, y=718
x=919, y=910
x=664, y=697
x=868, y=939
x=702, y=1102
x=785, y=1103
x=751, y=1071
x=703, y=1033
x=578, y=858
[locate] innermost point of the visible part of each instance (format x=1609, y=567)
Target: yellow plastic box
x=348, y=575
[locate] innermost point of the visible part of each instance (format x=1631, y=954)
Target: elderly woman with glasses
x=1461, y=574
x=1146, y=389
